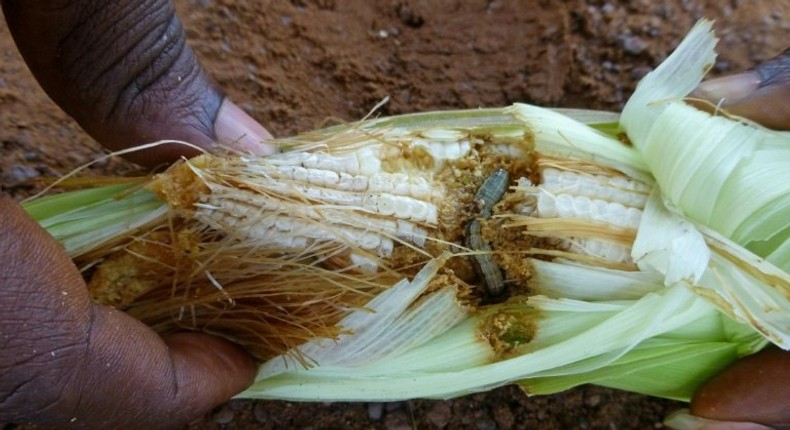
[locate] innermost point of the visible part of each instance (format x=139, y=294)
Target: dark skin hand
x=756, y=389
x=70, y=363
x=761, y=94
x=123, y=70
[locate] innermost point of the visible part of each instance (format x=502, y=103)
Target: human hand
x=124, y=71
x=756, y=389
x=761, y=94
x=68, y=362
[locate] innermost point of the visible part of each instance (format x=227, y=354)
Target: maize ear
x=360, y=250
x=341, y=217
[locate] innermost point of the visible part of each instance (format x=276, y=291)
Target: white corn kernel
x=570, y=206
x=513, y=151
x=613, y=200
x=275, y=229
x=442, y=134
x=442, y=150
x=235, y=205
x=363, y=263
x=618, y=189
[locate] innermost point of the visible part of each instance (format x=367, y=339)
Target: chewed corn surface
x=347, y=214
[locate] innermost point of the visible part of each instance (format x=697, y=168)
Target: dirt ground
x=294, y=65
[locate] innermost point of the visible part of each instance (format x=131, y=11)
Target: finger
x=683, y=420
x=235, y=129
x=124, y=71
x=753, y=390
x=68, y=363
x=133, y=379
x=762, y=94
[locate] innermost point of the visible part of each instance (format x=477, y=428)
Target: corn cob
x=368, y=247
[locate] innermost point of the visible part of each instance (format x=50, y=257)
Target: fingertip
x=728, y=89
x=753, y=390
x=683, y=420
x=235, y=129
x=761, y=95
x=745, y=95
x=137, y=379
x=209, y=370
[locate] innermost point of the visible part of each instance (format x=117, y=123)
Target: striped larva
x=489, y=193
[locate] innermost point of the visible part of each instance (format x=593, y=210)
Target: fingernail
x=728, y=89
x=683, y=420
x=237, y=130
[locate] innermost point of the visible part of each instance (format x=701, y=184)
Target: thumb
x=761, y=94
x=124, y=71
x=134, y=379
x=70, y=363
x=755, y=389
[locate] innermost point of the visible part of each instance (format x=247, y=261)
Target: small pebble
x=237, y=405
x=261, y=413
x=21, y=173
x=593, y=400
x=31, y=156
x=223, y=416
x=634, y=45
x=439, y=414
x=375, y=410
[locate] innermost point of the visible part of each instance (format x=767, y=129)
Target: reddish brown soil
x=294, y=65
